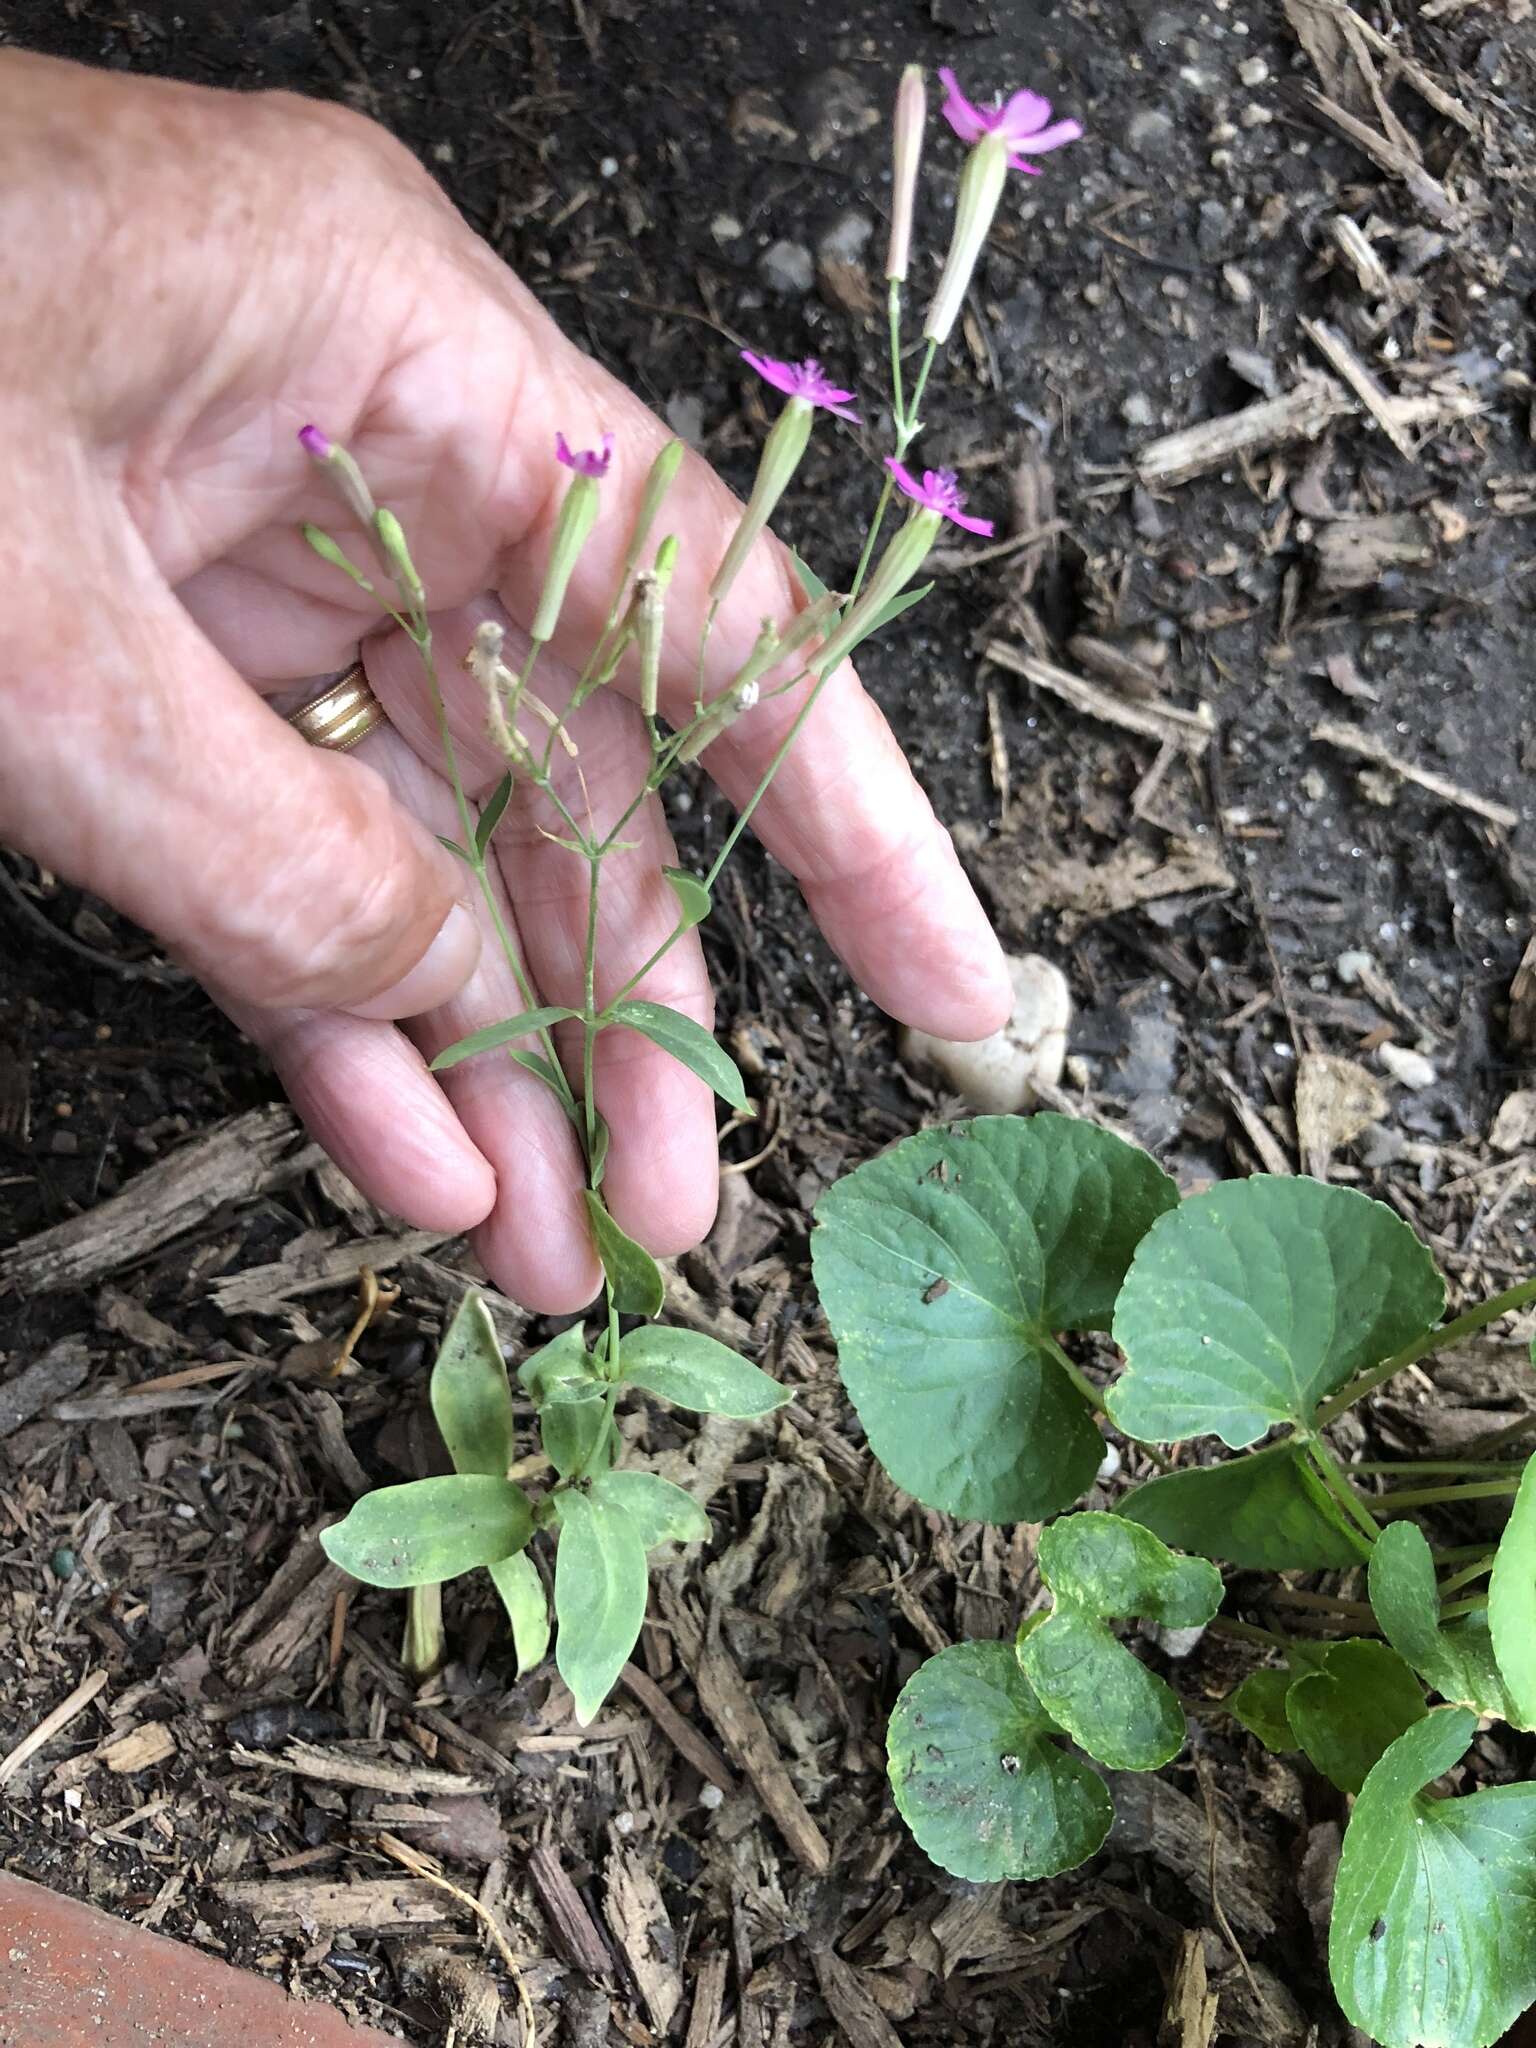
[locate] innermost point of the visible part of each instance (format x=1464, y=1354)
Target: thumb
x=145, y=769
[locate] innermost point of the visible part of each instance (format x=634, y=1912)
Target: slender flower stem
x=906, y=432
x=1445, y=1496
x=893, y=302
x=1433, y=1340
x=1468, y=1575
x=1095, y=1399
x=589, y=1005
x=1332, y=1476
x=1476, y=1605
x=1407, y=1468
x=1249, y=1632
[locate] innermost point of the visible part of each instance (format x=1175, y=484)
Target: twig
x=1169, y=724
x=1299, y=415
x=74, y=1703
x=953, y=561
x=134, y=970
x=425, y=1867
x=1351, y=740
x=1430, y=195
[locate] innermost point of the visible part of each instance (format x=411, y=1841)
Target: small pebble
x=62, y=1564
x=998, y=1075
x=710, y=1796
x=1353, y=965
x=1109, y=1464
x=1137, y=410
x=1252, y=71
x=787, y=268
x=1407, y=1066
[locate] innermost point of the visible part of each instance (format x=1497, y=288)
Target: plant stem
x=1433, y=1340
x=907, y=425
x=1095, y=1399
x=893, y=306
x=1445, y=1496
x=422, y=1650
x=1476, y=1605
x=1393, y=1468
x=1467, y=1575
x=1323, y=1603
x=1249, y=1632
x=1331, y=1473
x=589, y=1005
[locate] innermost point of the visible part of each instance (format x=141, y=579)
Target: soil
x=1225, y=906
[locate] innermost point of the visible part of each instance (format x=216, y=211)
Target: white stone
x=1407, y=1066
x=999, y=1075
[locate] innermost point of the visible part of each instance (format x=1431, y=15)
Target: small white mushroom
x=998, y=1075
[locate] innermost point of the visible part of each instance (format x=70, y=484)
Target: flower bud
x=650, y=608
x=772, y=647
x=907, y=150
x=398, y=555
x=663, y=471
x=981, y=187
x=894, y=571
x=781, y=458
x=577, y=514
x=346, y=479
x=725, y=711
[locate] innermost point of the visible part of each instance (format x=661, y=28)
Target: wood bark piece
x=570, y=1924
x=708, y=1998
x=1169, y=724
x=860, y=2021
x=294, y=1905
x=62, y=1367
x=679, y=1731
x=724, y=1697
x=72, y=1704
x=1298, y=415
x=1430, y=196
x=261, y=1289
x=1153, y=1818
x=293, y=1612
x=1351, y=740
x=640, y=1925
x=231, y=1164
x=370, y=1774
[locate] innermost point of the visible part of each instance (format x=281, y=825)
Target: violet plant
x=603, y=1518
x=1266, y=1308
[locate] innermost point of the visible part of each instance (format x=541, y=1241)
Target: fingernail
x=440, y=972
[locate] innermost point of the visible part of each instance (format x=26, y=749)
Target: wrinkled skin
x=191, y=277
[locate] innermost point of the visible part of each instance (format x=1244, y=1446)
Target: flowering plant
x=603, y=1517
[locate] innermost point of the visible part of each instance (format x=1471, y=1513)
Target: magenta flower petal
x=1021, y=122
x=585, y=461
x=966, y=120
x=804, y=380
x=315, y=442
x=938, y=492
x=1024, y=113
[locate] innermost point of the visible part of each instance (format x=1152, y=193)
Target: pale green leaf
x=471, y=1399
x=946, y=1266
x=430, y=1529
x=977, y=1777
x=521, y=1026
x=660, y=1511
x=575, y=1429
x=810, y=582
x=694, y=1371
x=1512, y=1599
x=1268, y=1511
x=1433, y=1941
x=1248, y=1305
x=527, y=1604
x=634, y=1276
x=1259, y=1705
x=1349, y=1713
x=902, y=602
x=562, y=1359
x=686, y=1041
x=693, y=899
x=600, y=1594
x=1456, y=1660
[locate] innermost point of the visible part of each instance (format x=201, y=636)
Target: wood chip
x=1156, y=719
x=150, y=1743
x=61, y=1368
x=306, y=1905
x=638, y=1919
x=371, y=1774
x=1392, y=414
x=1189, y=2016
x=292, y=1613
x=570, y=1924
x=724, y=1696
x=679, y=1730
x=1299, y=415
x=1335, y=1100
x=860, y=2021
x=259, y=1290
x=230, y=1165
x=708, y=1999
x=1429, y=195
x=74, y=1703
x=1351, y=740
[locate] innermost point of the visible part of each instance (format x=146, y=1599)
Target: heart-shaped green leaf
x=521, y=1026
x=688, y=1042
x=693, y=901
x=1512, y=1600
x=1249, y=1304
x=430, y=1529
x=634, y=1276
x=945, y=1268
x=523, y=1596
x=977, y=1777
x=695, y=1371
x=1259, y=1705
x=660, y=1511
x=471, y=1399
x=1433, y=1941
x=1349, y=1713
x=1268, y=1511
x=1101, y=1567
x=1456, y=1660
x=600, y=1593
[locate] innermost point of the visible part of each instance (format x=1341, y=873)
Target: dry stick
x=423, y=1866
x=1350, y=740
x=65, y=1712
x=1260, y=2000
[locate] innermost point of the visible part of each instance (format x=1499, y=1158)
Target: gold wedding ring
x=342, y=715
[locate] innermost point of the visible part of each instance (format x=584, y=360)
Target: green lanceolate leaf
x=1249, y=1304
x=693, y=899
x=1268, y=1511
x=521, y=1026
x=1457, y=1660
x=490, y=817
x=597, y=1164
x=660, y=1511
x=430, y=1529
x=977, y=1777
x=688, y=1042
x=1259, y=1705
x=634, y=1276
x=693, y=1371
x=453, y=846
x=1433, y=1942
x=523, y=1596
x=946, y=1266
x=810, y=582
x=555, y=1364
x=1512, y=1600
x=575, y=1428
x=600, y=1591
x=893, y=610
x=1349, y=1713
x=471, y=1400
x=1100, y=1567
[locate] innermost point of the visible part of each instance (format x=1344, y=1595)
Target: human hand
x=199, y=275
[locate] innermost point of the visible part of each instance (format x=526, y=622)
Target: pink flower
x=585, y=461
x=802, y=380
x=1022, y=122
x=938, y=492
x=315, y=442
